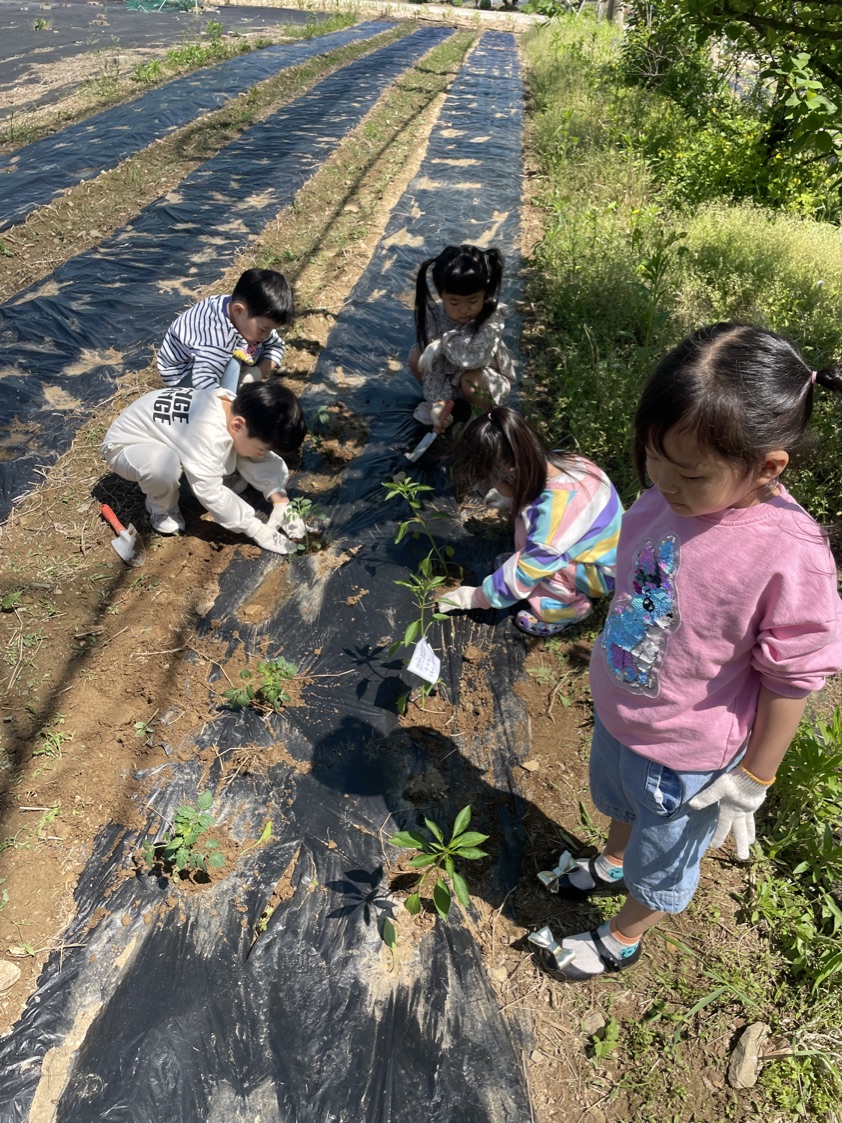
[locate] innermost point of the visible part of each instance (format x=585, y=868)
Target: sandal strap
x=610, y=961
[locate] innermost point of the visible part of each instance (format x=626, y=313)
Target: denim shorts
x=668, y=839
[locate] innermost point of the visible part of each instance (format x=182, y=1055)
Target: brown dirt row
x=89, y=212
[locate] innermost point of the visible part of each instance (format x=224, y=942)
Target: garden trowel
x=127, y=544
x=428, y=439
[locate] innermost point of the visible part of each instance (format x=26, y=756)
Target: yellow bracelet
x=757, y=780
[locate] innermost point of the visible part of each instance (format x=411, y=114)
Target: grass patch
x=621, y=273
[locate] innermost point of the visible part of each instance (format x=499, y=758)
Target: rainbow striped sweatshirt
x=566, y=541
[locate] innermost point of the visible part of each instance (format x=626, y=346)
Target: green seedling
x=183, y=849
x=52, y=740
x=423, y=585
x=438, y=858
x=318, y=423
x=311, y=513
x=404, y=487
x=48, y=817
x=11, y=600
x=144, y=728
x=265, y=689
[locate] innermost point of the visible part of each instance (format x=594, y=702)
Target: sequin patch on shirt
x=634, y=639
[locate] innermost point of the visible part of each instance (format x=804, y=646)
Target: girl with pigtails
x=726, y=617
x=459, y=352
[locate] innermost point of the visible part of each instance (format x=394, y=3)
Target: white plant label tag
x=424, y=662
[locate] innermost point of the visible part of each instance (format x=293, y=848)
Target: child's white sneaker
x=166, y=522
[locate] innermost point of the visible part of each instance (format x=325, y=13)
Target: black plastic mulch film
x=63, y=340
x=35, y=174
x=189, y=1014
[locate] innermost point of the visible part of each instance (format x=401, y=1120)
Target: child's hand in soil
x=458, y=600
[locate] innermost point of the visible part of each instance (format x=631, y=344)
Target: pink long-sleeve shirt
x=707, y=610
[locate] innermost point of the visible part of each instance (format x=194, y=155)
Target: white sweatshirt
x=193, y=424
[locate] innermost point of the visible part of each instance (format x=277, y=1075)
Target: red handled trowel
x=127, y=544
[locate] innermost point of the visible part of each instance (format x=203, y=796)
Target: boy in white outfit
x=210, y=434
x=225, y=338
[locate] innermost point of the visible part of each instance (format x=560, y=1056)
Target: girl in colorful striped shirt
x=566, y=519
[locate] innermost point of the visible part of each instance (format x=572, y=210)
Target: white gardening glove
x=287, y=520
x=738, y=797
x=440, y=415
x=269, y=538
x=458, y=600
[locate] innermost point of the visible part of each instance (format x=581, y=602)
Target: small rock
x=742, y=1068
x=531, y=765
x=593, y=1022
x=499, y=974
x=9, y=975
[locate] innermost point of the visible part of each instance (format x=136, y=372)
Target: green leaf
x=413, y=904
x=434, y=829
x=469, y=852
x=460, y=887
x=411, y=632
x=462, y=820
x=469, y=838
x=421, y=860
x=389, y=935
x=205, y=800
x=216, y=860
x=409, y=840
x=441, y=899
x=449, y=866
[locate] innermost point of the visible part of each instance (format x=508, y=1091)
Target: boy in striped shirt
x=209, y=344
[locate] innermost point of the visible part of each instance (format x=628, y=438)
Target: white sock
x=587, y=957
x=606, y=868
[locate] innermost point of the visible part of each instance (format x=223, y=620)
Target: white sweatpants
x=154, y=466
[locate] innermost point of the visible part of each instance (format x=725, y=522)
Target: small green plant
x=264, y=690
x=317, y=425
x=52, y=740
x=184, y=849
x=404, y=487
x=42, y=24
x=144, y=728
x=423, y=586
x=606, y=1040
x=214, y=30
x=438, y=858
x=311, y=513
x=11, y=600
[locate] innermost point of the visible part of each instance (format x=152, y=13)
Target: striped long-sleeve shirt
x=566, y=540
x=201, y=341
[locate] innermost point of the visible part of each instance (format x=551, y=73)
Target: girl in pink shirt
x=726, y=617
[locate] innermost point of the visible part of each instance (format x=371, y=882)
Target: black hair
x=461, y=271
x=272, y=414
x=265, y=293
x=739, y=390
x=499, y=447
